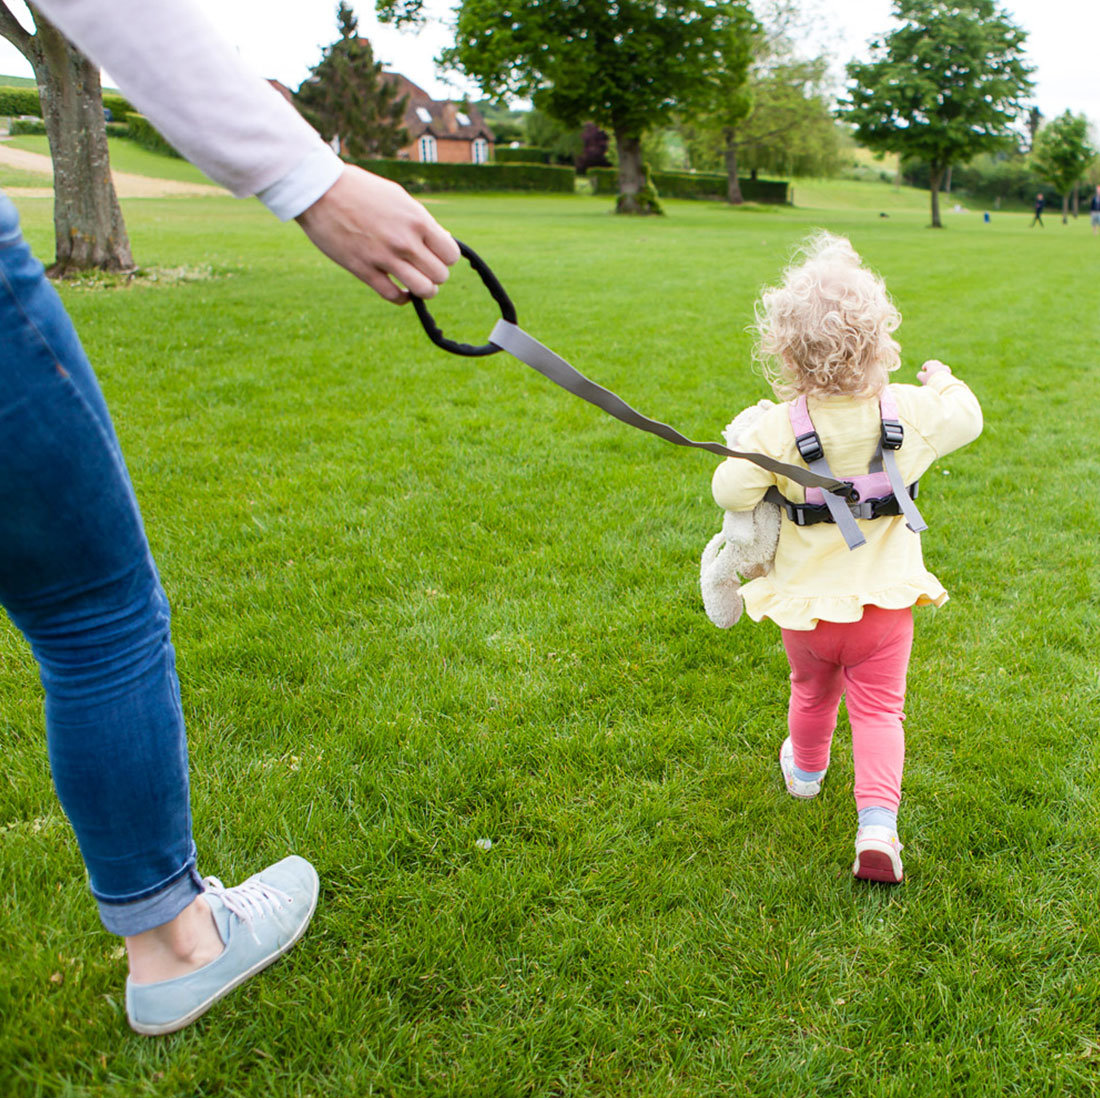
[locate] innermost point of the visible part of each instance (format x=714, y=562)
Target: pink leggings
x=866, y=662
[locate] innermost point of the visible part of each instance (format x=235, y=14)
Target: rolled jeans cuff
x=130, y=918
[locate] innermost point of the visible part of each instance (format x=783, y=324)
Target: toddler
x=826, y=347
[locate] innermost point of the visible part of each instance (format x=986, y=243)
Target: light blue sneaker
x=258, y=921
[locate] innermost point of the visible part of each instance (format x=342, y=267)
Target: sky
x=283, y=38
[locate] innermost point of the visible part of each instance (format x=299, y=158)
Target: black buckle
x=892, y=434
x=809, y=447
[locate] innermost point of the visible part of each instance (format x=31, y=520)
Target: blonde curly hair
x=826, y=328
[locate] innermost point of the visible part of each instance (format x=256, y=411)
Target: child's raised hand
x=931, y=367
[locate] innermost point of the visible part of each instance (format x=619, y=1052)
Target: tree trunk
x=635, y=194
x=89, y=230
x=1076, y=199
x=733, y=184
x=947, y=180
x=1065, y=208
x=935, y=175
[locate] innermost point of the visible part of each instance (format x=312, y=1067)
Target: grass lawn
x=126, y=156
x=421, y=601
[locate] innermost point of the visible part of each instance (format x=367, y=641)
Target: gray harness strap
x=512, y=339
x=913, y=519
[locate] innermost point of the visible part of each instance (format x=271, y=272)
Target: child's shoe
x=878, y=854
x=799, y=788
x=258, y=921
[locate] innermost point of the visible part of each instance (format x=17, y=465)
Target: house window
x=480, y=149
x=463, y=120
x=427, y=149
x=423, y=114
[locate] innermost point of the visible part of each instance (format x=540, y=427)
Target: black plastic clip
x=892, y=434
x=500, y=296
x=809, y=447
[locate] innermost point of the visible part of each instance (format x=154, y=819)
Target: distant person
x=845, y=615
x=1094, y=210
x=76, y=575
x=1040, y=202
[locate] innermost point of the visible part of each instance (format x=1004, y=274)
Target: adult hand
x=380, y=233
x=931, y=367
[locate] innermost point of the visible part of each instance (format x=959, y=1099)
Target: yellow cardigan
x=815, y=575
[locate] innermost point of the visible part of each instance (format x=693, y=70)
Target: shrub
x=695, y=185
x=20, y=101
x=26, y=126
x=146, y=135
x=414, y=176
x=521, y=154
x=26, y=101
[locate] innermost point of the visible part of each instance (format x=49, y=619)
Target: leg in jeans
x=77, y=579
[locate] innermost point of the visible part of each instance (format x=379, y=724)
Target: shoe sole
x=878, y=865
x=182, y=1021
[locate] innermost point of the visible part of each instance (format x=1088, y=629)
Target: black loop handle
x=492, y=284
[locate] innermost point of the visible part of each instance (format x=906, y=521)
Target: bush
x=414, y=176
x=521, y=154
x=26, y=101
x=147, y=136
x=695, y=185
x=20, y=101
x=26, y=126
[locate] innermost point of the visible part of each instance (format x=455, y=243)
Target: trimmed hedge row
x=25, y=101
x=147, y=136
x=415, y=176
x=26, y=126
x=521, y=154
x=695, y=185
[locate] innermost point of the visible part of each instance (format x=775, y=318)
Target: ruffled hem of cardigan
x=764, y=601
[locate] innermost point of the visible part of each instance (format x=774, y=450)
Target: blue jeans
x=77, y=579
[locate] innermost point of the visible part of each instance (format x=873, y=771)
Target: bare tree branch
x=14, y=31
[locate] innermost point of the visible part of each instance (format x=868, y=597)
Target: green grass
x=126, y=156
x=422, y=600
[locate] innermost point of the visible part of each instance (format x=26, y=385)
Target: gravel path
x=127, y=185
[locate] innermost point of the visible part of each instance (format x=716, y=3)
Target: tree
x=946, y=85
x=345, y=97
x=89, y=231
x=778, y=116
x=1062, y=154
x=626, y=66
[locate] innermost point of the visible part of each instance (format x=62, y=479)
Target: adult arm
x=177, y=69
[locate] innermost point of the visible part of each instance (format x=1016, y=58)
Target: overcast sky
x=283, y=38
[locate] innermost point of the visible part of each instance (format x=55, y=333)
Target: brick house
x=440, y=129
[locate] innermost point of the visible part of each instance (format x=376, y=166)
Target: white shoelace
x=248, y=902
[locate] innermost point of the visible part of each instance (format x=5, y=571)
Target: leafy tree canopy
x=345, y=96
x=946, y=85
x=1063, y=152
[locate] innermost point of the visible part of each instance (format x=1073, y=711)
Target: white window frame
x=427, y=150
x=479, y=150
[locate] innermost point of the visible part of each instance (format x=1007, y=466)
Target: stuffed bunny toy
x=745, y=547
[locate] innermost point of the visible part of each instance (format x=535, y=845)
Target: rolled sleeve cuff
x=303, y=185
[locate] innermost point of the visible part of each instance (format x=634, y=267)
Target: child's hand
x=931, y=367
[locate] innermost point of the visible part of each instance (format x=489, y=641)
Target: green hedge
x=414, y=176
x=144, y=133
x=25, y=101
x=521, y=154
x=26, y=126
x=695, y=185
x=20, y=101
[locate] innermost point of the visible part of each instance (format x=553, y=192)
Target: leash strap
x=508, y=336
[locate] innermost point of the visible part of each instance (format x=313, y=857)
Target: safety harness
x=880, y=492
x=828, y=499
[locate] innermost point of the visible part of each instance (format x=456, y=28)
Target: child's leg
x=816, y=686
x=875, y=695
